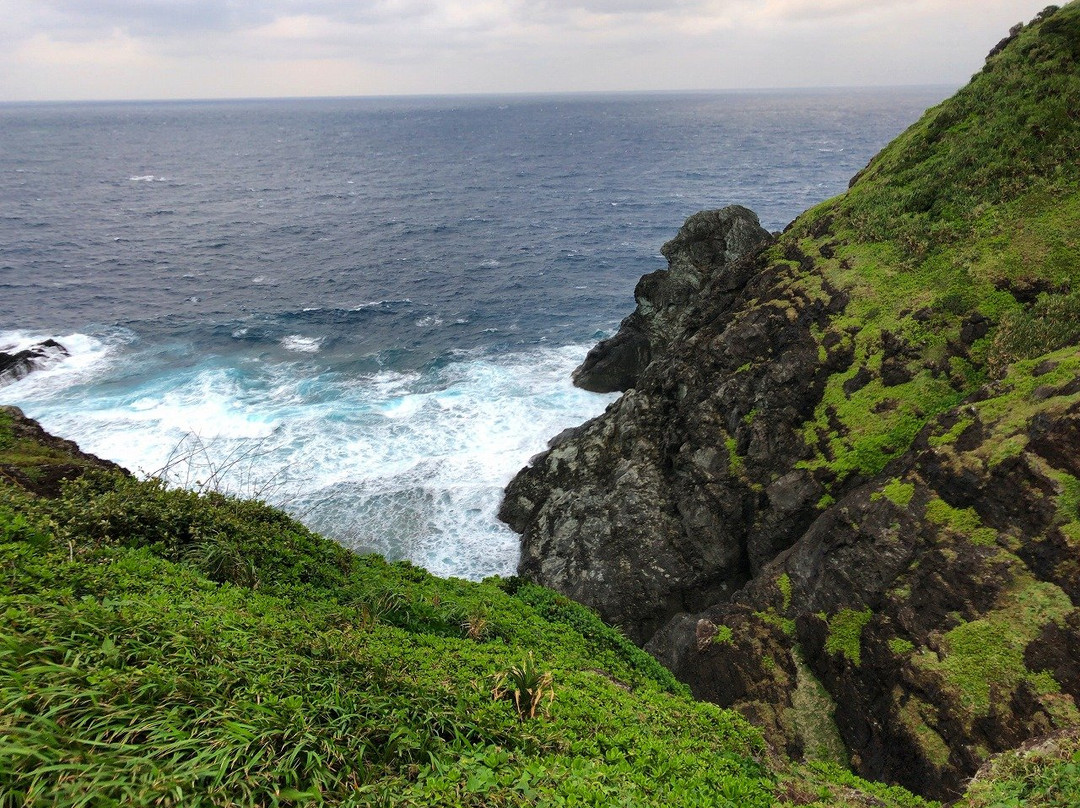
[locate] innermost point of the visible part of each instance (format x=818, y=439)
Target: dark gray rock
x=706, y=245
x=916, y=577
x=14, y=366
x=673, y=498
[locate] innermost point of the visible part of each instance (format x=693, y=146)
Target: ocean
x=366, y=311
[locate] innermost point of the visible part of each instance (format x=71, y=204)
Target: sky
x=173, y=49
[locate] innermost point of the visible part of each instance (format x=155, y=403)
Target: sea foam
x=409, y=464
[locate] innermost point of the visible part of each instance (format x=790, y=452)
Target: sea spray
x=408, y=464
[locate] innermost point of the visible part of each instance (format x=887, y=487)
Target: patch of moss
x=724, y=635
x=897, y=492
x=845, y=633
x=949, y=436
x=783, y=583
x=915, y=716
x=984, y=537
x=900, y=646
x=785, y=624
x=987, y=655
x=6, y=437
x=1068, y=499
x=812, y=712
x=962, y=521
x=735, y=463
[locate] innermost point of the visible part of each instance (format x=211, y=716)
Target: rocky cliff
x=847, y=464
x=34, y=460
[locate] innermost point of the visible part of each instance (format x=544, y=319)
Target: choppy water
x=367, y=310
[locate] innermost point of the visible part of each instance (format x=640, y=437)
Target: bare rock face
x=705, y=246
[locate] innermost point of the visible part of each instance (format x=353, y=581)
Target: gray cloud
x=178, y=48
x=619, y=6
x=828, y=9
x=172, y=18
x=153, y=18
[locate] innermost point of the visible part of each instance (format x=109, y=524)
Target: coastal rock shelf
x=843, y=479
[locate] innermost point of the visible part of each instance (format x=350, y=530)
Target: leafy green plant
x=476, y=625
x=526, y=686
x=222, y=558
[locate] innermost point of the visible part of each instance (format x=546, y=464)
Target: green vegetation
x=916, y=716
x=1046, y=776
x=959, y=246
x=898, y=493
x=900, y=646
x=6, y=436
x=845, y=633
x=28, y=457
x=812, y=713
x=963, y=521
x=783, y=583
x=164, y=647
x=724, y=635
x=987, y=654
x=826, y=785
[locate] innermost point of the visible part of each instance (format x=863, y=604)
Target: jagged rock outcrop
x=933, y=600
x=14, y=366
x=705, y=245
x=852, y=472
x=668, y=501
x=45, y=460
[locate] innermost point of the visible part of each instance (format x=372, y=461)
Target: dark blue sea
x=367, y=310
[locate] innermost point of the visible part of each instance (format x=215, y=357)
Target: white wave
x=87, y=357
x=373, y=304
x=409, y=464
x=301, y=344
x=426, y=479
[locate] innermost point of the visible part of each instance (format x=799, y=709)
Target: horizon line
x=480, y=94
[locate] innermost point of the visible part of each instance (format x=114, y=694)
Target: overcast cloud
x=120, y=49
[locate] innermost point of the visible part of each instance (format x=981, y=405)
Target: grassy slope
x=159, y=647
x=972, y=213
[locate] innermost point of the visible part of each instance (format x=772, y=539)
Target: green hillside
x=162, y=647
x=959, y=246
